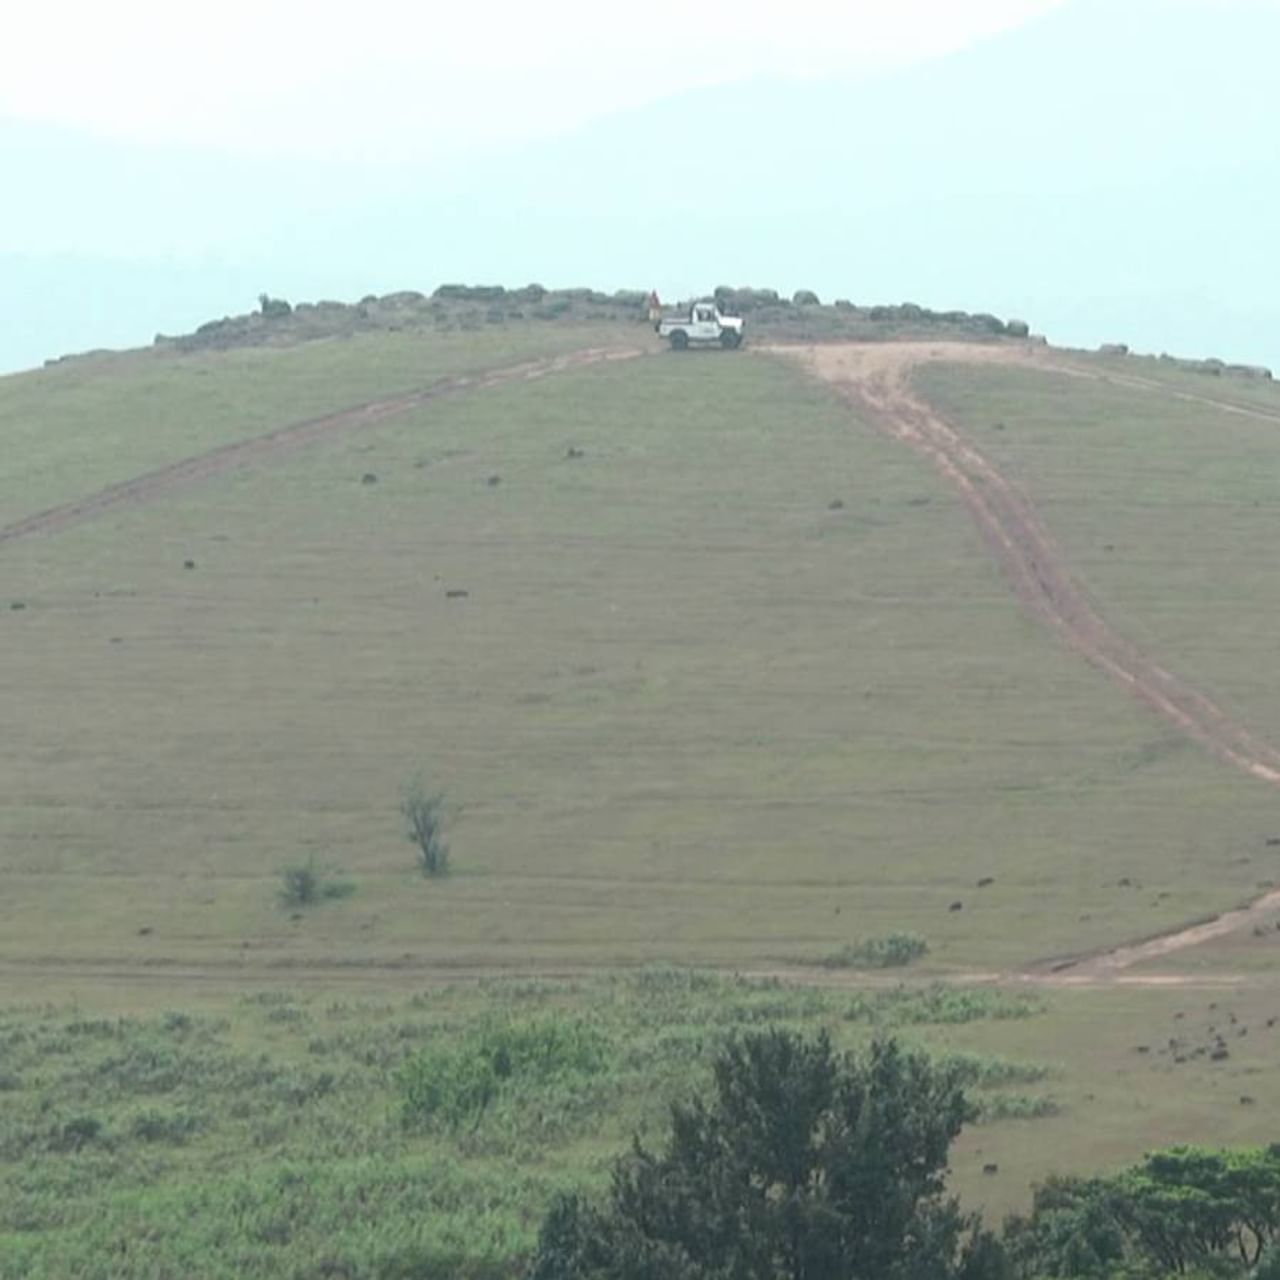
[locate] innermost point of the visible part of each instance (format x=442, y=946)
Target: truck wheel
x=730, y=339
x=679, y=340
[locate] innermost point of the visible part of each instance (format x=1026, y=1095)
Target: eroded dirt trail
x=189, y=472
x=875, y=380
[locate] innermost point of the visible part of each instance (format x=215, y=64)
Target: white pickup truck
x=702, y=325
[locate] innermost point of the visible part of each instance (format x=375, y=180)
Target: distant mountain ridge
x=1109, y=170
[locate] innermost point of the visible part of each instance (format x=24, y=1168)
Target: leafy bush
x=806, y=298
x=303, y=885
x=890, y=952
x=1016, y=1106
x=423, y=813
x=273, y=307
x=456, y=1083
x=76, y=1134
x=173, y=1128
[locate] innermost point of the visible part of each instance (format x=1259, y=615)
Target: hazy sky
x=1106, y=169
x=390, y=77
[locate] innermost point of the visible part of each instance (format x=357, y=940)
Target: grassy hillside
x=709, y=671
x=687, y=711
x=1163, y=502
x=87, y=423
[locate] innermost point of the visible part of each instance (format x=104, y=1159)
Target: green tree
x=803, y=1164
x=1180, y=1212
x=423, y=813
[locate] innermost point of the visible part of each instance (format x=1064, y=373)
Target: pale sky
x=386, y=77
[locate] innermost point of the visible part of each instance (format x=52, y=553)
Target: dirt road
x=875, y=380
x=190, y=472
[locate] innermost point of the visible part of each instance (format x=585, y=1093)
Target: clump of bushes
x=269, y=306
x=890, y=952
x=304, y=884
x=455, y=1084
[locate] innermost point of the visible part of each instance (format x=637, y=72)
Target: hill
x=731, y=700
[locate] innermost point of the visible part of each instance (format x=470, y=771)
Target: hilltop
x=1105, y=171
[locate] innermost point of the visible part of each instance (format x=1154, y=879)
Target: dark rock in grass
x=145, y=931
x=456, y=593
x=1124, y=882
x=494, y=481
x=575, y=452
x=836, y=504
x=1220, y=1053
x=986, y=882
x=368, y=478
x=188, y=564
x=956, y=906
x=990, y=1169
x=18, y=605
x=1246, y=1100
x=1142, y=1048
x=1273, y=842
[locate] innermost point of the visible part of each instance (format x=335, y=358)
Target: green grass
x=72, y=429
x=269, y=1138
x=1164, y=507
x=687, y=712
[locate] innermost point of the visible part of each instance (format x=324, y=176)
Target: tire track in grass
x=284, y=441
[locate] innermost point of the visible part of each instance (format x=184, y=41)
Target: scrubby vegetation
x=890, y=952
x=293, y=1135
x=459, y=307
x=305, y=883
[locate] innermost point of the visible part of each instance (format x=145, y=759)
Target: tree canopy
x=802, y=1164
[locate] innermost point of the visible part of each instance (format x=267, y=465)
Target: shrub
x=806, y=298
x=889, y=952
x=1017, y=329
x=273, y=306
x=174, y=1128
x=456, y=1084
x=303, y=885
x=423, y=813
x=76, y=1133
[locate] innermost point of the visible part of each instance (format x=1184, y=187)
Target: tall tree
x=802, y=1164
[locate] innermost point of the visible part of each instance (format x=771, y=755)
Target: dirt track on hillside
x=876, y=381
x=190, y=472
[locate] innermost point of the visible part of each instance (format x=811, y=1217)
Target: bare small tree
x=424, y=818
